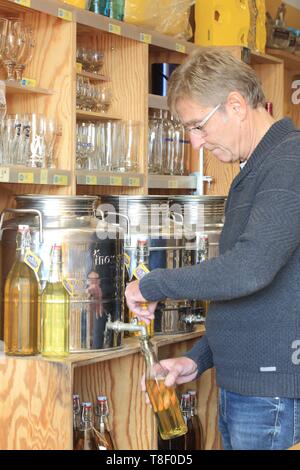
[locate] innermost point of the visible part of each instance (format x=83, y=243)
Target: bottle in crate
x=103, y=436
x=86, y=439
x=196, y=423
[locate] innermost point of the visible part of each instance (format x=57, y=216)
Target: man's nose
x=197, y=141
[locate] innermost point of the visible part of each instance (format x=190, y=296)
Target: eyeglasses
x=198, y=130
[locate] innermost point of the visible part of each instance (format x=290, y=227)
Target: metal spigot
x=119, y=326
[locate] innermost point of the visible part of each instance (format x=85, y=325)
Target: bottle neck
x=148, y=352
x=23, y=244
x=55, y=274
x=142, y=255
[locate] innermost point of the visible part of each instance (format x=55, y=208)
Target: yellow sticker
x=78, y=67
x=180, y=48
x=140, y=271
x=134, y=182
x=4, y=175
x=32, y=260
x=44, y=177
x=25, y=177
x=60, y=180
x=172, y=184
x=65, y=14
x=68, y=285
x=114, y=28
x=145, y=37
x=24, y=3
x=28, y=82
x=115, y=181
x=91, y=180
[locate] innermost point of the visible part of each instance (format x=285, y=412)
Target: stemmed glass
x=13, y=46
x=3, y=34
x=26, y=52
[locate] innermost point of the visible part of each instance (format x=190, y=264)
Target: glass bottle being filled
x=55, y=310
x=21, y=293
x=103, y=437
x=142, y=258
x=163, y=399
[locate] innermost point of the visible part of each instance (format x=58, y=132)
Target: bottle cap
x=101, y=398
x=23, y=228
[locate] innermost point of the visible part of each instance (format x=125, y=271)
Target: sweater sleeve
x=271, y=235
x=201, y=354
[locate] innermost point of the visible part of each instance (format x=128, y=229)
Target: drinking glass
x=129, y=157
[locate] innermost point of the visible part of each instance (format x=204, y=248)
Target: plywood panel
x=35, y=405
x=131, y=421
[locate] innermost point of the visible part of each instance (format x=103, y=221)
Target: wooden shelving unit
x=36, y=394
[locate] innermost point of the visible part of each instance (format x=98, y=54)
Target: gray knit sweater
x=253, y=325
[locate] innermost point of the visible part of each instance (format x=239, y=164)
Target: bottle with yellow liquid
x=21, y=293
x=163, y=399
x=142, y=255
x=55, y=310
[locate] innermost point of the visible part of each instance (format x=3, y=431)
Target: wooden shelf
x=93, y=76
x=98, y=178
x=26, y=175
x=172, y=182
x=92, y=116
x=157, y=102
x=291, y=61
x=266, y=59
x=13, y=87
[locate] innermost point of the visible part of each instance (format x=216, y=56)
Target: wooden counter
x=36, y=396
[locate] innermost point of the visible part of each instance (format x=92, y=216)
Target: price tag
x=91, y=179
x=180, y=48
x=114, y=28
x=115, y=181
x=25, y=177
x=173, y=184
x=78, y=67
x=68, y=285
x=65, y=14
x=32, y=260
x=28, y=82
x=44, y=177
x=24, y=3
x=4, y=175
x=134, y=182
x=145, y=37
x=140, y=271
x=60, y=180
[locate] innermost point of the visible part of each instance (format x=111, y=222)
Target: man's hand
x=181, y=370
x=143, y=309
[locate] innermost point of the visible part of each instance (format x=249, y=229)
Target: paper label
x=68, y=286
x=145, y=37
x=60, y=180
x=32, y=260
x=91, y=180
x=134, y=182
x=44, y=177
x=78, y=67
x=65, y=14
x=172, y=184
x=115, y=181
x=26, y=178
x=24, y=3
x=28, y=82
x=4, y=175
x=114, y=28
x=140, y=271
x=180, y=48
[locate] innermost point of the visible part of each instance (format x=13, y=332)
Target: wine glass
x=26, y=52
x=13, y=46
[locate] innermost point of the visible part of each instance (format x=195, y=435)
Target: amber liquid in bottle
x=21, y=303
x=164, y=401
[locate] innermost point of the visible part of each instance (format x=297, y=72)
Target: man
x=253, y=324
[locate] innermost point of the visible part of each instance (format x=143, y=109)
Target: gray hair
x=208, y=75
